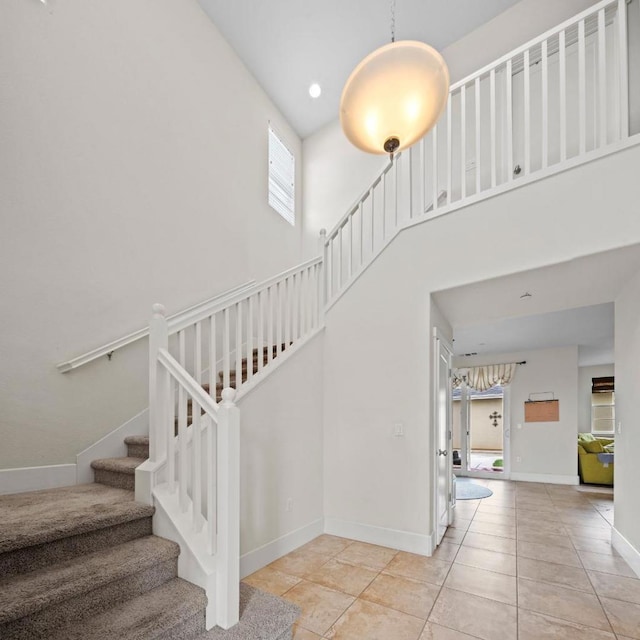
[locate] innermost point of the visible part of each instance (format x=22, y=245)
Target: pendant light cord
x=393, y=20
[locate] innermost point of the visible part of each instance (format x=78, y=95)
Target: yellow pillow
x=593, y=447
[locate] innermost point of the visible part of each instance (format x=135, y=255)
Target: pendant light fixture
x=394, y=96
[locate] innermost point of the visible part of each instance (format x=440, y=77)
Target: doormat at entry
x=467, y=489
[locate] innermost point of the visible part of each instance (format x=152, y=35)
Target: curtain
x=485, y=377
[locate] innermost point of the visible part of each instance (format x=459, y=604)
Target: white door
x=442, y=422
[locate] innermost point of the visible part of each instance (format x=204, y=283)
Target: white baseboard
x=111, y=446
x=36, y=478
x=544, y=478
x=261, y=557
x=630, y=554
x=402, y=540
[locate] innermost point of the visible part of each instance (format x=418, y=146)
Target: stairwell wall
x=133, y=171
x=377, y=335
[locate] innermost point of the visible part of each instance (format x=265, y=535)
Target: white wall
x=336, y=173
x=585, y=374
x=383, y=376
x=628, y=413
x=133, y=170
x=281, y=453
x=544, y=448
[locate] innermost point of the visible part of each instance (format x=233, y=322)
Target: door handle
x=442, y=453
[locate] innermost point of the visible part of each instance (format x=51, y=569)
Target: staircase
x=81, y=562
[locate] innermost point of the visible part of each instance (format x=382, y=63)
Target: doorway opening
x=479, y=431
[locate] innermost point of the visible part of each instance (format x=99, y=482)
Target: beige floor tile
x=374, y=622
x=272, y=581
x=557, y=555
x=596, y=533
x=460, y=523
x=527, y=516
x=299, y=633
x=352, y=579
x=454, y=536
x=403, y=594
x=563, y=603
x=500, y=511
x=327, y=545
x=410, y=565
x=502, y=530
x=560, y=574
x=536, y=626
x=491, y=543
x=606, y=564
x=480, y=617
x=542, y=526
x=479, y=582
x=595, y=520
x=549, y=539
x=367, y=555
x=465, y=510
x=298, y=563
x=434, y=631
x=489, y=560
x=321, y=607
x=594, y=546
x=495, y=518
x=624, y=617
x=618, y=587
x=446, y=551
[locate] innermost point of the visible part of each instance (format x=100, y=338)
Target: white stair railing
x=555, y=102
x=194, y=426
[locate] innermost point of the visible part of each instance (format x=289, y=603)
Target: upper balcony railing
x=550, y=104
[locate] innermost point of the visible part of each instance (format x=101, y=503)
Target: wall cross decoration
x=495, y=416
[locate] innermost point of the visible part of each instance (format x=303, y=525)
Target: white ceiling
x=570, y=304
x=290, y=44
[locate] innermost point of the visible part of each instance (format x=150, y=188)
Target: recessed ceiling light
x=315, y=90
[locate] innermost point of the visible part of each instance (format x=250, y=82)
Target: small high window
x=282, y=167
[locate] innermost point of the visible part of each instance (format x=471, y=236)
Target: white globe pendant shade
x=394, y=96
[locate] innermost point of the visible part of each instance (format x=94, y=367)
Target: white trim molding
x=402, y=540
x=262, y=556
x=37, y=478
x=545, y=478
x=629, y=553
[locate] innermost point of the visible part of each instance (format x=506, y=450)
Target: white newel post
x=158, y=406
x=324, y=274
x=228, y=557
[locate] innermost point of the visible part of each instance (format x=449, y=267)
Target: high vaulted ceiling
x=290, y=44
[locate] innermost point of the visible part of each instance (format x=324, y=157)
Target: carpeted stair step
x=262, y=617
x=34, y=604
x=137, y=446
x=116, y=472
x=172, y=611
x=40, y=528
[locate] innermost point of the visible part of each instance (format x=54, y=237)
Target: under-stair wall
x=383, y=377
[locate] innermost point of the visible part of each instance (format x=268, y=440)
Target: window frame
x=281, y=177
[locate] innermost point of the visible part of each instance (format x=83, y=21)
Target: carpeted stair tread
x=141, y=440
x=262, y=617
x=38, y=517
x=150, y=616
x=125, y=465
x=27, y=593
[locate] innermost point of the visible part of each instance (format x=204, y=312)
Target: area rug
x=467, y=489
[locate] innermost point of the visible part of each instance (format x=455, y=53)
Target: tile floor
x=532, y=562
